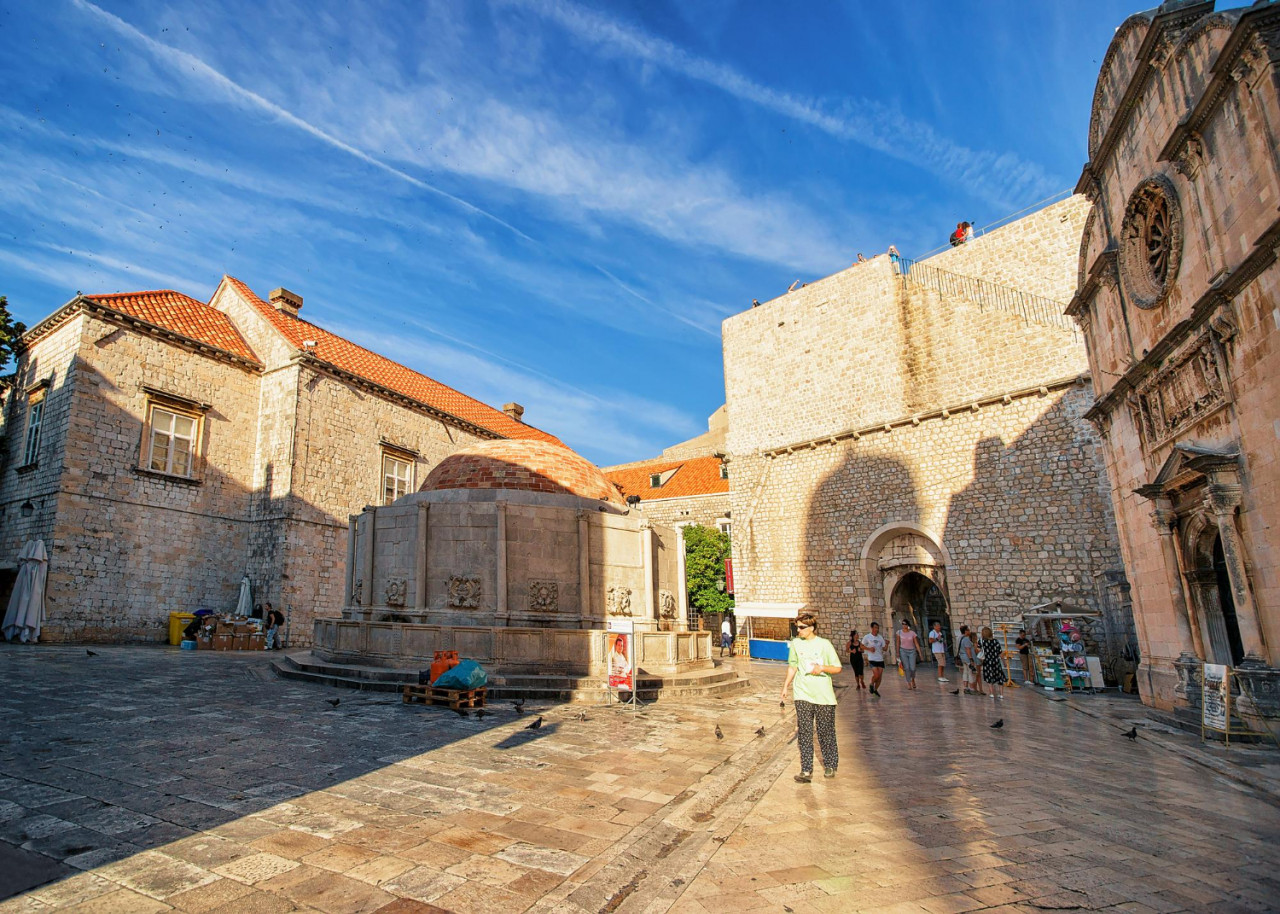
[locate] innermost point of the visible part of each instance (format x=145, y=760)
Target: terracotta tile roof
x=347, y=356
x=531, y=466
x=695, y=476
x=180, y=314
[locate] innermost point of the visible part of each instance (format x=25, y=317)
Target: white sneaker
x=943, y=679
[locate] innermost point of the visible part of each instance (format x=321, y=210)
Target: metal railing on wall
x=1033, y=308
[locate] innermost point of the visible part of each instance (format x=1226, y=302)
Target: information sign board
x=1215, y=702
x=620, y=645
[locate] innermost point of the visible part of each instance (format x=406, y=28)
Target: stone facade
x=1178, y=290
x=917, y=445
x=290, y=444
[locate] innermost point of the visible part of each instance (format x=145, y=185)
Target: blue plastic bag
x=466, y=675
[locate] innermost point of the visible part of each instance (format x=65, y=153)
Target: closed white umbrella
x=244, y=606
x=25, y=615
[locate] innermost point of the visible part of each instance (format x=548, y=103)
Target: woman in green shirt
x=811, y=661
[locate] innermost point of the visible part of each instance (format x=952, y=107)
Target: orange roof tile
x=347, y=356
x=180, y=314
x=695, y=476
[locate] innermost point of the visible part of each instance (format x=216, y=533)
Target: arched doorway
x=1211, y=587
x=918, y=599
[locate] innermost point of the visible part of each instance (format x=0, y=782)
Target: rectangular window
x=725, y=527
x=35, y=415
x=724, y=471
x=655, y=481
x=397, y=477
x=173, y=442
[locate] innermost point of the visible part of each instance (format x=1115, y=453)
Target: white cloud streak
x=1000, y=177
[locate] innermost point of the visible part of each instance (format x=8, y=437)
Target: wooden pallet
x=450, y=698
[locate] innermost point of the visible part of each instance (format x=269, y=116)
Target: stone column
x=584, y=568
x=500, y=601
x=682, y=597
x=646, y=559
x=420, y=563
x=349, y=588
x=366, y=589
x=1165, y=522
x=1223, y=500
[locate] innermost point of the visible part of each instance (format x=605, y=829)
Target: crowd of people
x=812, y=661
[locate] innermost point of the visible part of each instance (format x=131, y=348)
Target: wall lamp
x=27, y=508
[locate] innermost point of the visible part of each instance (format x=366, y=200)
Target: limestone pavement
x=145, y=779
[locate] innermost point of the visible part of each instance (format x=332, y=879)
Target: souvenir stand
x=1058, y=651
x=767, y=627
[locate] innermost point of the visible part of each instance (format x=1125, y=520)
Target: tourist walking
x=969, y=662
x=1023, y=644
x=854, y=649
x=938, y=645
x=811, y=662
x=991, y=656
x=726, y=637
x=873, y=644
x=908, y=645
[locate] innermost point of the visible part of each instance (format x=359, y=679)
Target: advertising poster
x=1216, y=698
x=619, y=643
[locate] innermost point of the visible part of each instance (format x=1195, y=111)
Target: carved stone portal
x=544, y=596
x=396, y=589
x=464, y=593
x=618, y=601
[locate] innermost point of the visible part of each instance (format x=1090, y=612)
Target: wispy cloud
x=1003, y=178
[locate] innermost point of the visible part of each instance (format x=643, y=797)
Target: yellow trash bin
x=177, y=622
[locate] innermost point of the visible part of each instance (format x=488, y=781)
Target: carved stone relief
x=464, y=593
x=667, y=604
x=357, y=589
x=1151, y=242
x=908, y=549
x=618, y=601
x=396, y=588
x=1182, y=393
x=544, y=596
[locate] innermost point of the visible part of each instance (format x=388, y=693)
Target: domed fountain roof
x=530, y=466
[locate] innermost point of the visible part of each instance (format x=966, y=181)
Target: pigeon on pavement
x=536, y=725
x=760, y=731
x=998, y=724
x=1132, y=735
x=91, y=653
x=719, y=732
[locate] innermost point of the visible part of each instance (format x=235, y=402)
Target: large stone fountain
x=515, y=554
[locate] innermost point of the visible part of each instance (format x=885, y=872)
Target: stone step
x=301, y=666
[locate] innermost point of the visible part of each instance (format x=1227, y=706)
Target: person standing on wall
x=811, y=662
x=873, y=644
x=938, y=645
x=908, y=645
x=989, y=655
x=854, y=649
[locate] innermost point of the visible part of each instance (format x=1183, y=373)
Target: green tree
x=705, y=550
x=10, y=332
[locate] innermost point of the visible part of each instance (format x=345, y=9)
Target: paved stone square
x=146, y=779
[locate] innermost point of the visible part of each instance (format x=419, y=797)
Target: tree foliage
x=10, y=332
x=705, y=550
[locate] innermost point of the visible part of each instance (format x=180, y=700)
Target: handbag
x=982, y=655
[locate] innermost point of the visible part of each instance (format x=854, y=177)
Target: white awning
x=767, y=610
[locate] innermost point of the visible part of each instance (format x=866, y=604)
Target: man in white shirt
x=874, y=645
x=938, y=644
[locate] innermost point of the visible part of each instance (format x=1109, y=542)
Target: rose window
x=1151, y=242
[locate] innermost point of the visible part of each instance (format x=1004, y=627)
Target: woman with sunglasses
x=811, y=662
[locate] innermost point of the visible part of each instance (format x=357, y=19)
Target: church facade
x=1178, y=301
x=908, y=441
x=164, y=447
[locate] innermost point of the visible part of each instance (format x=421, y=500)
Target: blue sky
x=533, y=200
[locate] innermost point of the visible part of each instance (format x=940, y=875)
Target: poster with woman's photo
x=618, y=644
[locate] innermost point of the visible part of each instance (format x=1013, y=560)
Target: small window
x=724, y=471
x=397, y=477
x=725, y=527
x=173, y=442
x=655, y=481
x=35, y=416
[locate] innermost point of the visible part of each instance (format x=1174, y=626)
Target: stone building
x=163, y=447
x=909, y=441
x=1178, y=292
x=693, y=490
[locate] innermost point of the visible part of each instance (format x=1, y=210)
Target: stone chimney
x=286, y=301
x=515, y=411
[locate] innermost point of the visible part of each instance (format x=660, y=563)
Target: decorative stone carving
x=357, y=590
x=1182, y=393
x=464, y=593
x=618, y=601
x=667, y=604
x=1151, y=242
x=908, y=549
x=396, y=589
x=1191, y=157
x=544, y=596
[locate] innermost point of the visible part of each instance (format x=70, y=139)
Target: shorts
x=877, y=663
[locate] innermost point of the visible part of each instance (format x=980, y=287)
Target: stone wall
x=704, y=510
